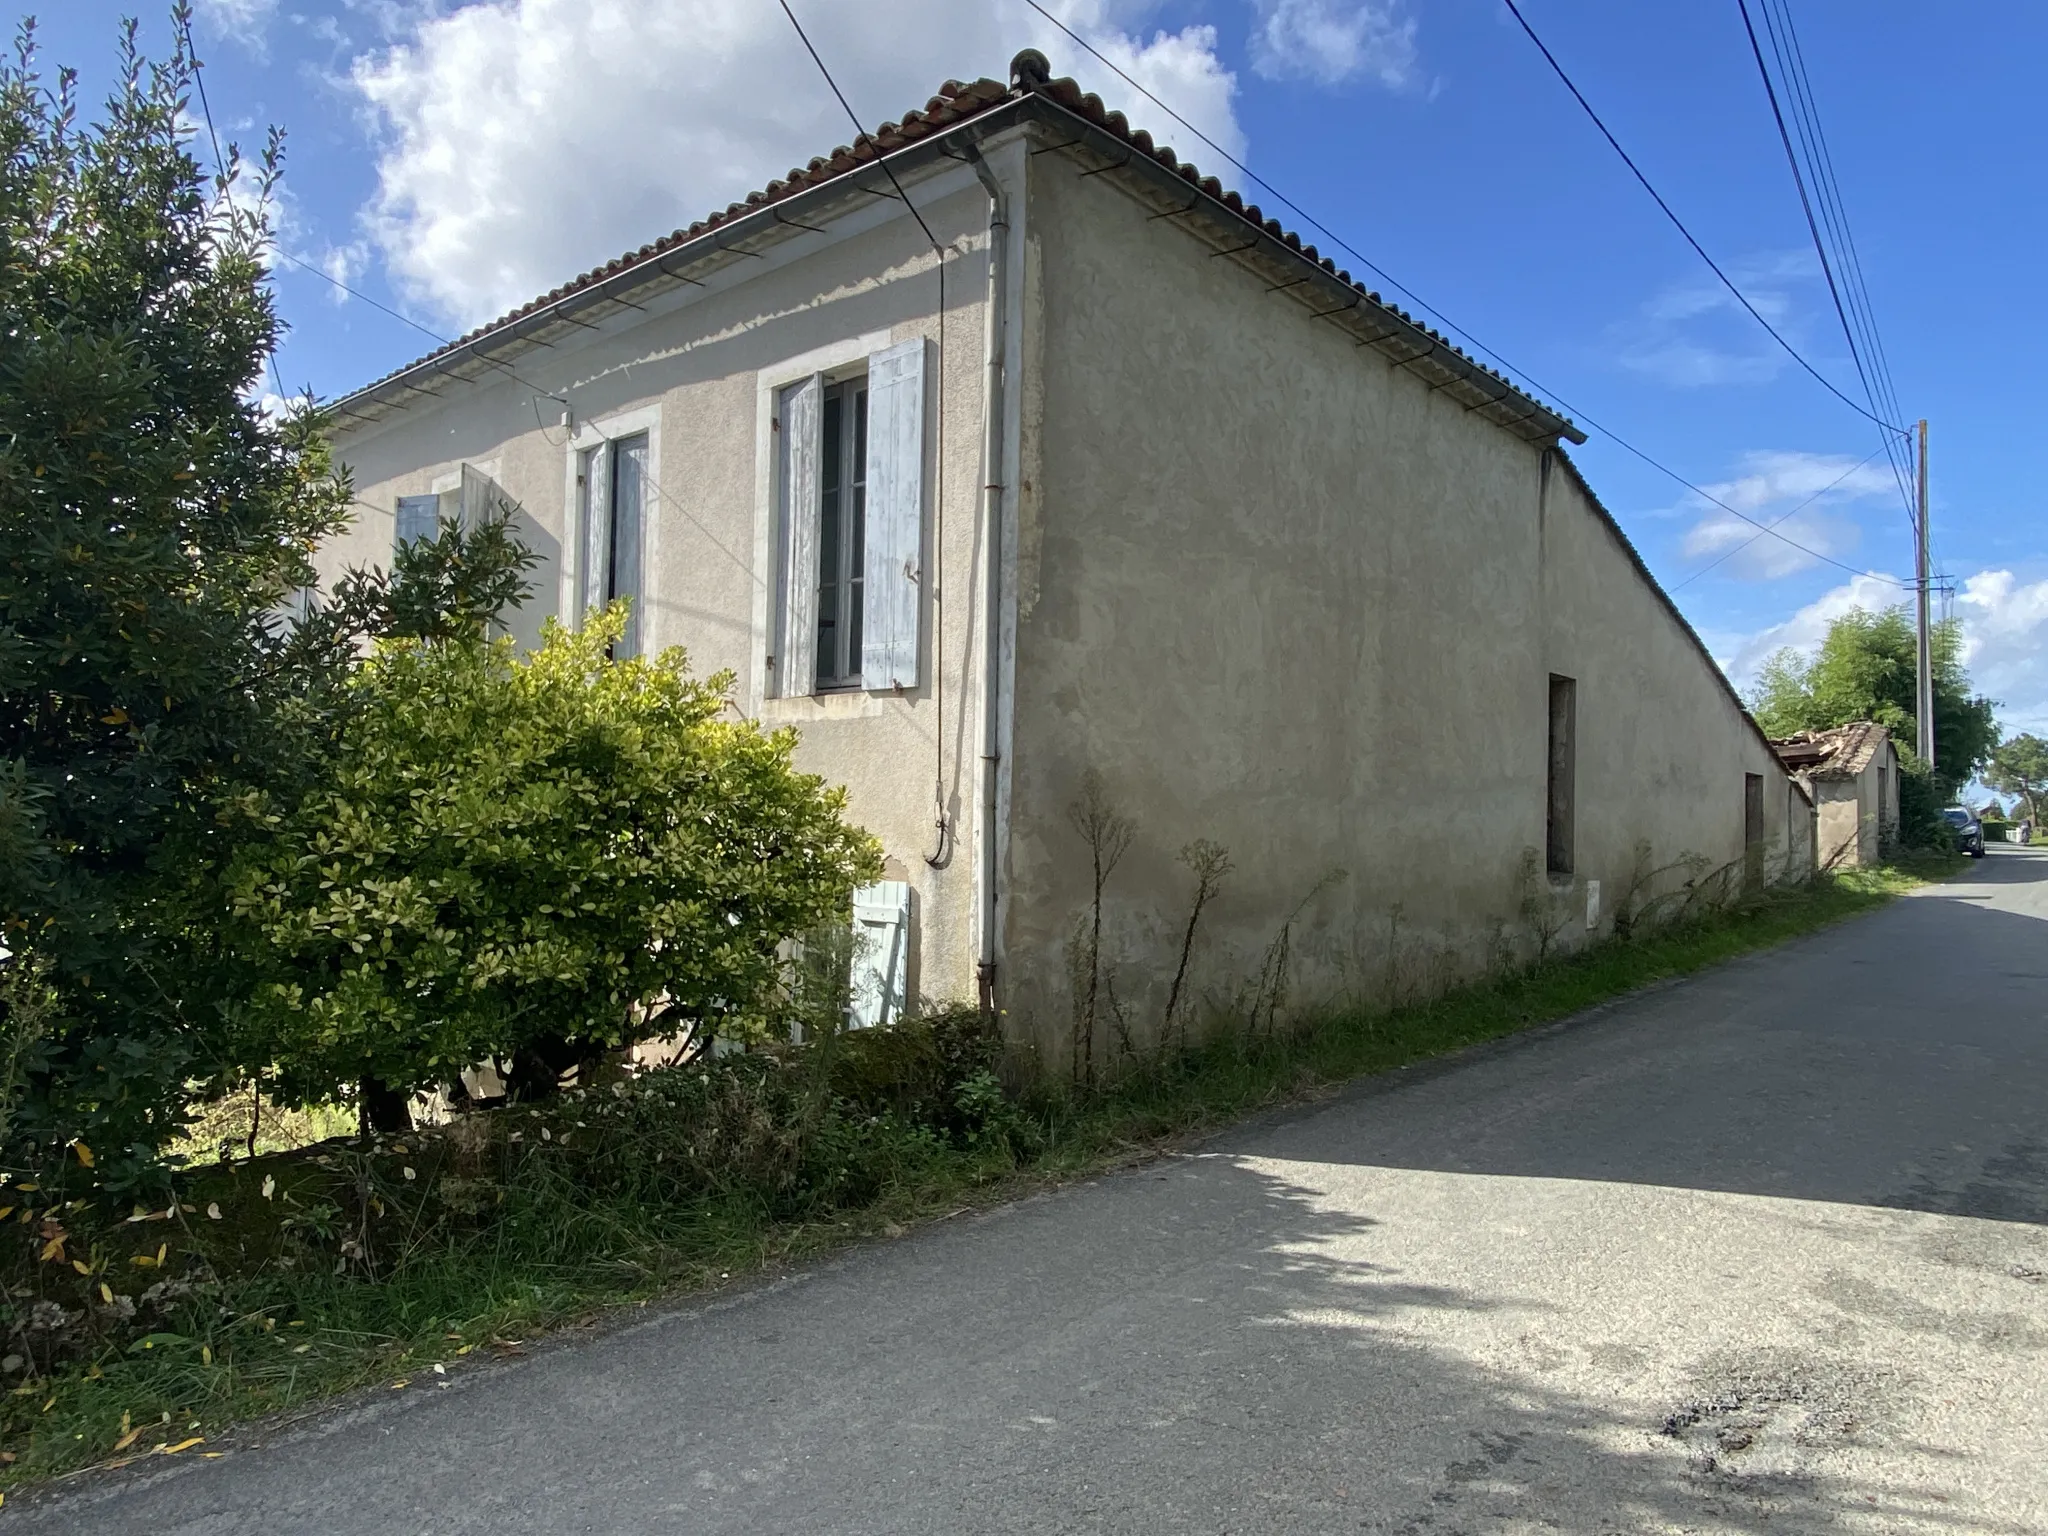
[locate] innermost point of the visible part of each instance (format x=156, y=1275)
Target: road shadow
x=1199, y=1347
x=1899, y=1060
x=1216, y=1344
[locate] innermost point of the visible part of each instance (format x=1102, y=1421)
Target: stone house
x=1004, y=454
x=1851, y=773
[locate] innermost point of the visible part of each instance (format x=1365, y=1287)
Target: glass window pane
x=860, y=434
x=828, y=539
x=629, y=509
x=828, y=470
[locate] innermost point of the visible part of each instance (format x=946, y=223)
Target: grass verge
x=271, y=1321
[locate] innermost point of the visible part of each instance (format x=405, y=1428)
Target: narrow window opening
x=1563, y=797
x=1753, y=828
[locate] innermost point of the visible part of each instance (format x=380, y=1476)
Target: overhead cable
x=1860, y=337
x=1535, y=386
x=1730, y=554
x=1679, y=224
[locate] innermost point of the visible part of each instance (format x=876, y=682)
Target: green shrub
x=557, y=850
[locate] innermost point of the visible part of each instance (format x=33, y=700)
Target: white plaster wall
x=694, y=370
x=1283, y=597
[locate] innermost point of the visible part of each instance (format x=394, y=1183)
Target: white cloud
x=2005, y=637
x=1804, y=489
x=1805, y=630
x=2005, y=644
x=1695, y=333
x=343, y=265
x=246, y=22
x=524, y=141
x=1329, y=41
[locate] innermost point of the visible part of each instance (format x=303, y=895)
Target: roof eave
x=738, y=236
x=731, y=238
x=1527, y=417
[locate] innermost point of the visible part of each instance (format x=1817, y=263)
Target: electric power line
x=1730, y=554
x=942, y=855
x=220, y=165
x=1679, y=224
x=1809, y=123
x=1534, y=385
x=1444, y=320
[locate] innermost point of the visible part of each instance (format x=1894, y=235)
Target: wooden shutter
x=795, y=673
x=629, y=504
x=881, y=934
x=893, y=567
x=478, y=497
x=597, y=529
x=419, y=517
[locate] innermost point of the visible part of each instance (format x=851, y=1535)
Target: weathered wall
x=1848, y=836
x=1281, y=596
x=1858, y=817
x=692, y=371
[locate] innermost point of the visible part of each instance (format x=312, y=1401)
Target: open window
x=851, y=479
x=611, y=496
x=473, y=498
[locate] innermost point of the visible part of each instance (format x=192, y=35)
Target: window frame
x=848, y=585
x=605, y=432
x=771, y=693
x=1561, y=789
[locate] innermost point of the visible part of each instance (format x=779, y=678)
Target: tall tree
x=1865, y=670
x=2020, y=767
x=154, y=522
x=156, y=525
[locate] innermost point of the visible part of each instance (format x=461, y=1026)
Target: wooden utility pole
x=1924, y=696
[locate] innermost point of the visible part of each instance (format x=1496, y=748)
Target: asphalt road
x=1764, y=1251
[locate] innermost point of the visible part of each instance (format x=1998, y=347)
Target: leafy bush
x=526, y=857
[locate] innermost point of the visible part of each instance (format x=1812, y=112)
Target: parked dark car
x=1968, y=829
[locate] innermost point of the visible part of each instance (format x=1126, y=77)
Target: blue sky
x=451, y=161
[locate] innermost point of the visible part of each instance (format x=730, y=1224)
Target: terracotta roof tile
x=1839, y=753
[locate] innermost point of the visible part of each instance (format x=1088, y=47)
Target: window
x=611, y=489
x=1753, y=828
x=472, y=498
x=1562, y=802
x=851, y=507
x=419, y=517
x=842, y=532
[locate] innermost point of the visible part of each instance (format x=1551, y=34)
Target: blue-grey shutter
x=629, y=503
x=893, y=569
x=795, y=672
x=482, y=498
x=419, y=517
x=881, y=935
x=597, y=529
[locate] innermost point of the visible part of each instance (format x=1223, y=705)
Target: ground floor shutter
x=892, y=576
x=881, y=939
